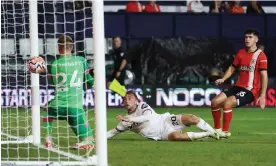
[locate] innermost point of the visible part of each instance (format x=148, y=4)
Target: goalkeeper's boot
x=50, y=144
x=87, y=145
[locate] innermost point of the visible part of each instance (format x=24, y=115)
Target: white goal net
x=55, y=18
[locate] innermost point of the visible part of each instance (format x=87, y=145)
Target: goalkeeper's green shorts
x=76, y=118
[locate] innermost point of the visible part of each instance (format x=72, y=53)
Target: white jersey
x=146, y=122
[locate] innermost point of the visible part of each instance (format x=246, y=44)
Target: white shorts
x=171, y=123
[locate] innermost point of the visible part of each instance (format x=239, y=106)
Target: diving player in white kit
x=143, y=120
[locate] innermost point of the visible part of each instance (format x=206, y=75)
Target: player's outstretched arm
x=121, y=127
x=113, y=132
x=138, y=119
x=227, y=74
x=264, y=82
x=50, y=73
x=87, y=76
x=264, y=79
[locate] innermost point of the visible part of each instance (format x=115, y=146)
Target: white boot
x=223, y=134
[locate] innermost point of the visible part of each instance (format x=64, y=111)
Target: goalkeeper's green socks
x=48, y=124
x=117, y=87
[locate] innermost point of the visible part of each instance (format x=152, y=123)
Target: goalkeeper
x=68, y=74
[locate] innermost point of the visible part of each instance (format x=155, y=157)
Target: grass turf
x=253, y=142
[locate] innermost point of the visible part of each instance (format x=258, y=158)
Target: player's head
x=65, y=45
x=251, y=37
x=117, y=42
x=130, y=100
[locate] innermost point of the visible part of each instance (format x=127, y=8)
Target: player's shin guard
x=204, y=126
x=227, y=117
x=216, y=116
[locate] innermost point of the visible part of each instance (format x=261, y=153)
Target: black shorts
x=243, y=96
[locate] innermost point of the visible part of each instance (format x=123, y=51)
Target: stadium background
x=134, y=29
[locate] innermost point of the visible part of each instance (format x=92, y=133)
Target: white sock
x=197, y=135
x=204, y=126
x=219, y=130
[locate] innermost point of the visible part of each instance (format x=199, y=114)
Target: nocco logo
x=185, y=97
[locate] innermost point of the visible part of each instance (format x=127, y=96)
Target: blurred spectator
x=254, y=7
x=194, y=6
x=261, y=47
x=219, y=6
x=71, y=5
x=68, y=5
x=134, y=6
x=214, y=75
x=78, y=5
x=152, y=7
x=236, y=7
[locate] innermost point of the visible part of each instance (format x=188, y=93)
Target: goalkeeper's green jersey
x=68, y=74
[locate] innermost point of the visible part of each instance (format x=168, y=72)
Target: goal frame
x=35, y=138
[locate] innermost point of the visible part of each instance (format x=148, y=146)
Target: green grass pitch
x=253, y=143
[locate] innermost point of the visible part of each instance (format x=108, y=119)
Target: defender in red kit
x=251, y=84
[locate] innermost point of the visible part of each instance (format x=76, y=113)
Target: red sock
x=227, y=116
x=216, y=116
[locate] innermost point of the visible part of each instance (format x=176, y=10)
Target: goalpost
x=22, y=134
x=100, y=99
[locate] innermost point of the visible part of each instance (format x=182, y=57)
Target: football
x=37, y=65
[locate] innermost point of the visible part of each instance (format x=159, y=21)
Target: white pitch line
x=264, y=133
x=90, y=160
